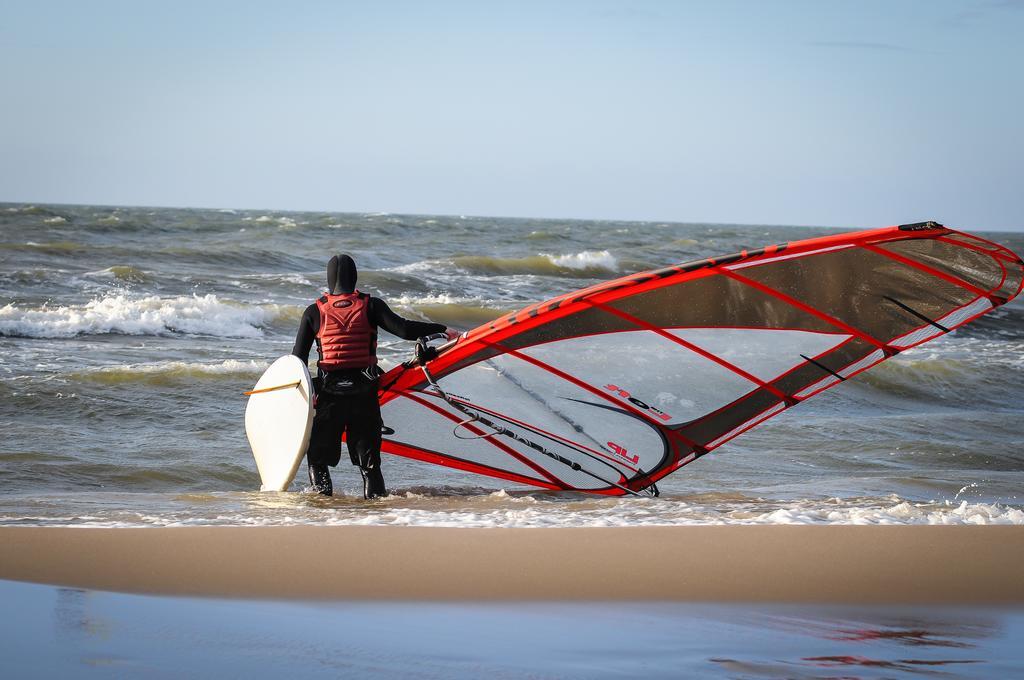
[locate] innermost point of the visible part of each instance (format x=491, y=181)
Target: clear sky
x=821, y=113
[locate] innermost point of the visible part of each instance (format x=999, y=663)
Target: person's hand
x=452, y=334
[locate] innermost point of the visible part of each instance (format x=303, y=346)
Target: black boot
x=320, y=479
x=373, y=483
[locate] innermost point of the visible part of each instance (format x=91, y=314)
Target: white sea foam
x=519, y=512
x=227, y=367
x=288, y=277
x=435, y=299
x=901, y=513
x=414, y=267
x=55, y=220
x=542, y=263
x=500, y=509
x=283, y=221
x=587, y=259
x=152, y=315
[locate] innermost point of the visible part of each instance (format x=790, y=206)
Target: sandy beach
x=800, y=564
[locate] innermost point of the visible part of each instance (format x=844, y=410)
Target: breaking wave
x=953, y=370
x=280, y=220
x=448, y=508
x=125, y=273
x=450, y=310
x=583, y=264
x=169, y=372
x=588, y=259
x=152, y=315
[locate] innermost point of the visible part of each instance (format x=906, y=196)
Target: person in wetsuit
x=343, y=322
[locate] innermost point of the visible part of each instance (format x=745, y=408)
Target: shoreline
x=781, y=563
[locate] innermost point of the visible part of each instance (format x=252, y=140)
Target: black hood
x=341, y=274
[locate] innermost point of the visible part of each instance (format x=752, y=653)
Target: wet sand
x=56, y=632
x=828, y=564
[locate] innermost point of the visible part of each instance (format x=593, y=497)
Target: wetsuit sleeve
x=308, y=327
x=407, y=329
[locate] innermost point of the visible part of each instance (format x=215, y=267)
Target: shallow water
x=128, y=334
x=78, y=633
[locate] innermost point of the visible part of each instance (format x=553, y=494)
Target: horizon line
x=468, y=216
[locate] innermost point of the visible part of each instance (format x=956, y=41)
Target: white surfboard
x=278, y=420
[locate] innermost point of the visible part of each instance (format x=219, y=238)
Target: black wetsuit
x=346, y=400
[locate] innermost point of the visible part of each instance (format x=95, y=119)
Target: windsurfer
x=343, y=322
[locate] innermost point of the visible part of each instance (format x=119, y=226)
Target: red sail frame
x=508, y=336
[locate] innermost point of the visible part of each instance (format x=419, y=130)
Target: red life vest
x=346, y=338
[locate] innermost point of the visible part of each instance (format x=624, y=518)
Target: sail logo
x=621, y=451
x=623, y=394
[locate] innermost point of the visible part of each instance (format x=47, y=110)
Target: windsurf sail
x=610, y=388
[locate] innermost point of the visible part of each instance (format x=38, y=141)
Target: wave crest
x=123, y=272
x=587, y=263
x=450, y=310
x=125, y=315
x=170, y=372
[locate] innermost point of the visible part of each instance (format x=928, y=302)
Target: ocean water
x=127, y=336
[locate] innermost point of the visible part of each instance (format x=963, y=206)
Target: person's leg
x=320, y=479
x=324, y=449
x=363, y=437
x=373, y=482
